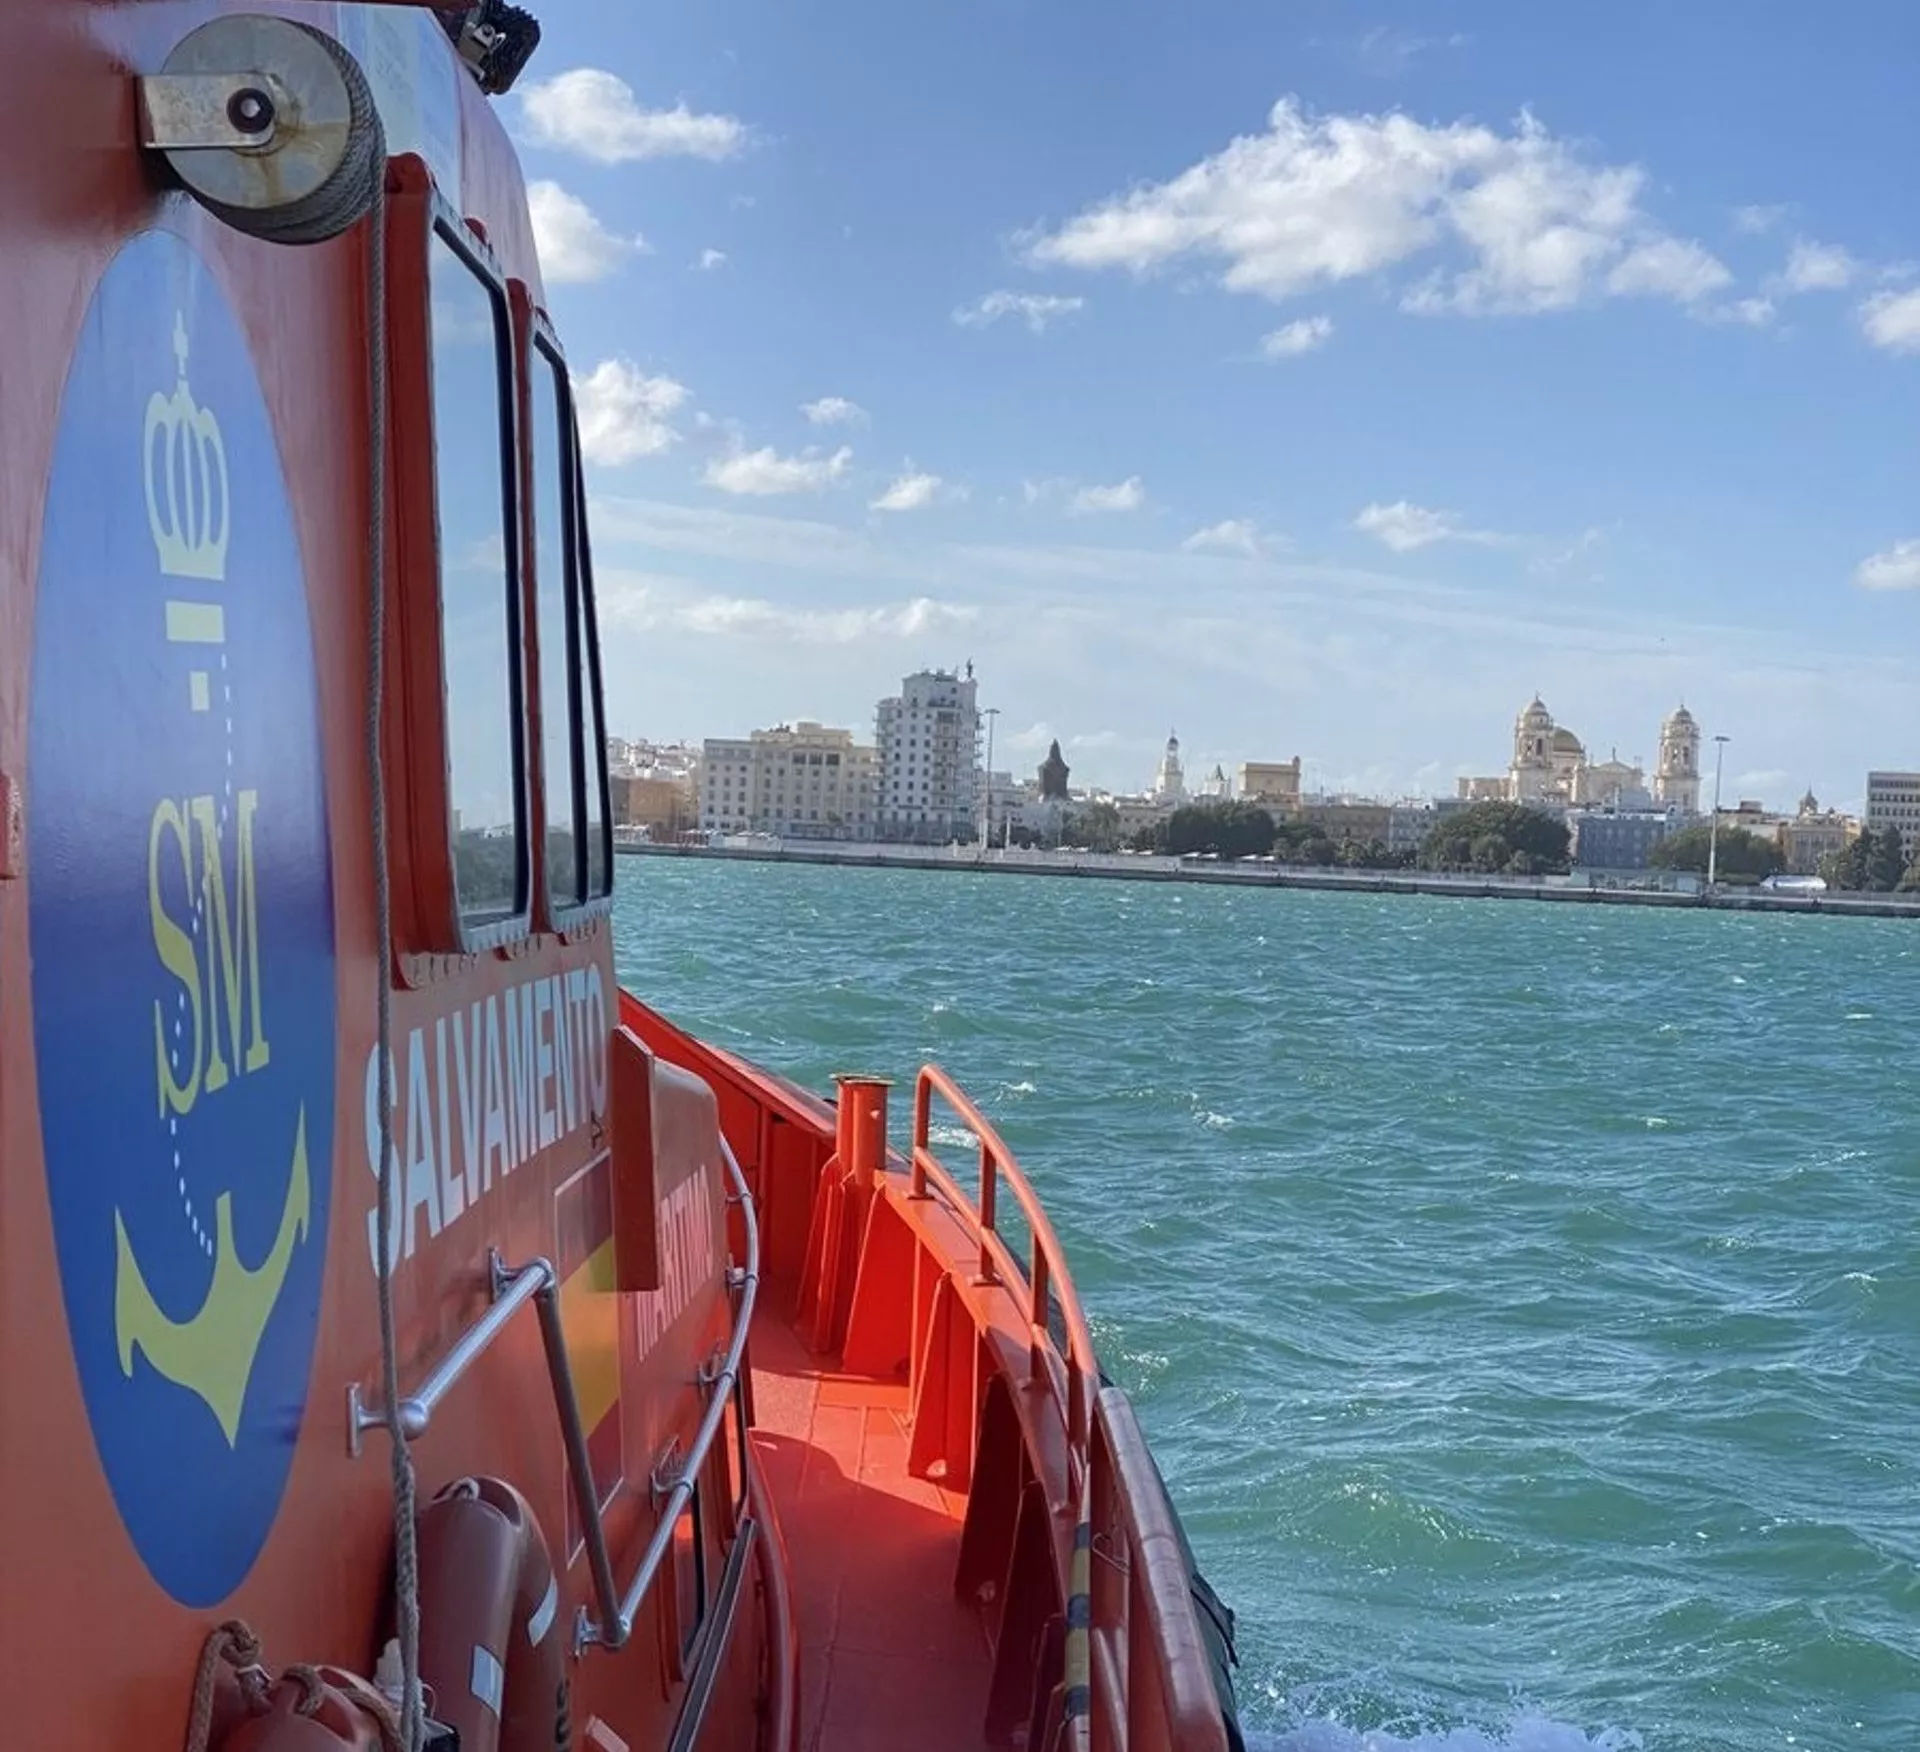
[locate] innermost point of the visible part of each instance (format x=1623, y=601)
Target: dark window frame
x=558, y=449
x=584, y=624
x=446, y=228
x=567, y=913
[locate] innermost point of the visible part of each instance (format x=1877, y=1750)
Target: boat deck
x=888, y=1655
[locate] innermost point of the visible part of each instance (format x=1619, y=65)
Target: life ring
x=492, y=1649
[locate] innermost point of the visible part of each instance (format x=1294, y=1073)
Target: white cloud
x=624, y=413
x=1667, y=267
x=1065, y=624
x=710, y=259
x=1036, y=309
x=642, y=601
x=486, y=554
x=1818, y=267
x=594, y=113
x=1405, y=528
x=763, y=473
x=1892, y=320
x=1127, y=495
x=1754, y=312
x=1894, y=568
x=1314, y=200
x=573, y=246
x=1756, y=221
x=1296, y=338
x=915, y=491
x=1237, y=535
x=834, y=410
x=1388, y=52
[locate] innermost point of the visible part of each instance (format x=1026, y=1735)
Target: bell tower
x=1530, y=776
x=1676, y=780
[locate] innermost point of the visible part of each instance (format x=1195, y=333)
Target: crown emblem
x=188, y=509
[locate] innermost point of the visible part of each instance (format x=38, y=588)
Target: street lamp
x=1713, y=832
x=986, y=837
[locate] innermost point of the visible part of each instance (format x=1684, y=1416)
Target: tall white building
x=1169, y=781
x=800, y=781
x=1676, y=780
x=928, y=740
x=1893, y=800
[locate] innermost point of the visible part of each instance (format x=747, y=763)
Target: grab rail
x=538, y=1282
x=615, y=1623
x=1047, y=1268
x=513, y=1288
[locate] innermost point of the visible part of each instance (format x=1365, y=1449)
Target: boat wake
x=1526, y=1734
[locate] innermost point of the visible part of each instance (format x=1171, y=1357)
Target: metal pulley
x=269, y=125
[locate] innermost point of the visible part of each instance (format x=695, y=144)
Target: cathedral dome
x=1565, y=742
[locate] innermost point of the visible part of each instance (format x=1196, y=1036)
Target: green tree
x=1910, y=877
x=1887, y=862
x=1302, y=842
x=1150, y=838
x=1740, y=853
x=1096, y=828
x=1847, y=868
x=1873, y=863
x=1492, y=837
x=1230, y=830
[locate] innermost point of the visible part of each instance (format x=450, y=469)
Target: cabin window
x=599, y=832
x=479, y=622
x=554, y=623
x=573, y=747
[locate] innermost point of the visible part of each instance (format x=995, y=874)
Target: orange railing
x=1150, y=1671
x=1145, y=1663
x=1071, y=1376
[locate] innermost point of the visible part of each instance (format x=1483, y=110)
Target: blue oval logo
x=181, y=917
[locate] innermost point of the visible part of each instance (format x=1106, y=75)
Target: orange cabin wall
x=317, y=1592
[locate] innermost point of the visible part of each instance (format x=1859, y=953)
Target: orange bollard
x=860, y=1135
x=841, y=1202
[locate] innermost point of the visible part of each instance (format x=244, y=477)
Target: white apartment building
x=928, y=737
x=799, y=781
x=1893, y=800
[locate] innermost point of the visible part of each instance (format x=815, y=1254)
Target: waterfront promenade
x=1144, y=867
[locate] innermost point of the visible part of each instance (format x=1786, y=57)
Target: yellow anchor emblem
x=211, y=1354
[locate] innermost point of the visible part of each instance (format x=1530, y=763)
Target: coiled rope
x=234, y=1645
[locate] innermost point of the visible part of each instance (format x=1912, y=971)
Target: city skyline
x=1302, y=378
x=1200, y=760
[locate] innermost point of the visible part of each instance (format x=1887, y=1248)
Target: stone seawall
x=1114, y=867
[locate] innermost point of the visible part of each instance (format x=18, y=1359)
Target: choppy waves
x=1521, y=1300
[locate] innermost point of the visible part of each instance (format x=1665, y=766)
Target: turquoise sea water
x=1523, y=1301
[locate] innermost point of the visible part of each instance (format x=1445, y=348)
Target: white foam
x=953, y=1136
x=1527, y=1734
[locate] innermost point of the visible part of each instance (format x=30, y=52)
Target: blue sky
x=1316, y=379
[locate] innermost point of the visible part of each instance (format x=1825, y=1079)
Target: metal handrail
x=539, y=1283
x=1047, y=1268
x=512, y=1290
x=615, y=1623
